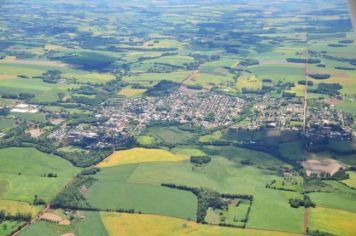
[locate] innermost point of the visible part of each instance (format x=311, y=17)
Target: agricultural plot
x=89, y=224
x=23, y=183
x=120, y=224
x=114, y=191
x=337, y=222
x=7, y=124
x=236, y=214
x=249, y=82
x=169, y=135
x=284, y=73
x=8, y=227
x=152, y=78
x=130, y=92
x=223, y=176
x=340, y=197
x=352, y=180
x=209, y=80
x=140, y=155
x=95, y=78
x=79, y=68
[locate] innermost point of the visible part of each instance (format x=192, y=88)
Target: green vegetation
x=189, y=111
x=114, y=191
x=90, y=224
x=25, y=183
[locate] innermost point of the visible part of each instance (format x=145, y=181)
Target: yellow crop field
x=151, y=225
x=334, y=221
x=352, y=180
x=140, y=155
x=249, y=82
x=130, y=92
x=298, y=90
x=90, y=77
x=13, y=207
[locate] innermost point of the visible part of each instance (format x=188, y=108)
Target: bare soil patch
x=51, y=217
x=34, y=62
x=5, y=77
x=64, y=222
x=329, y=166
x=35, y=133
x=56, y=121
x=332, y=101
x=68, y=234
x=275, y=62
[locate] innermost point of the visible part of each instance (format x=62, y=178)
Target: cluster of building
x=322, y=121
x=272, y=112
x=129, y=115
x=119, y=121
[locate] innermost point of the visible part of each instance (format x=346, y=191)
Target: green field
x=337, y=222
x=8, y=227
x=169, y=135
x=221, y=174
x=151, y=78
x=352, y=180
x=91, y=224
x=140, y=94
x=24, y=182
x=6, y=124
x=113, y=190
x=342, y=197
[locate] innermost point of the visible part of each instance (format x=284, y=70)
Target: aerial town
x=206, y=110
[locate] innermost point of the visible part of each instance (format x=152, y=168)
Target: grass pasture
x=24, y=182
x=233, y=215
x=8, y=227
x=142, y=197
x=176, y=60
x=150, y=225
x=96, y=78
x=140, y=155
x=113, y=190
x=146, y=140
x=91, y=224
x=337, y=222
x=209, y=80
x=342, y=198
x=170, y=135
x=151, y=78
x=285, y=73
x=7, y=124
x=270, y=209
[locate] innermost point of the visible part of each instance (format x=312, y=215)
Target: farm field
x=343, y=222
x=139, y=155
x=340, y=198
x=13, y=207
x=221, y=175
x=114, y=191
x=91, y=224
x=169, y=135
x=152, y=78
x=15, y=172
x=119, y=224
x=177, y=117
x=130, y=92
x=8, y=227
x=352, y=180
